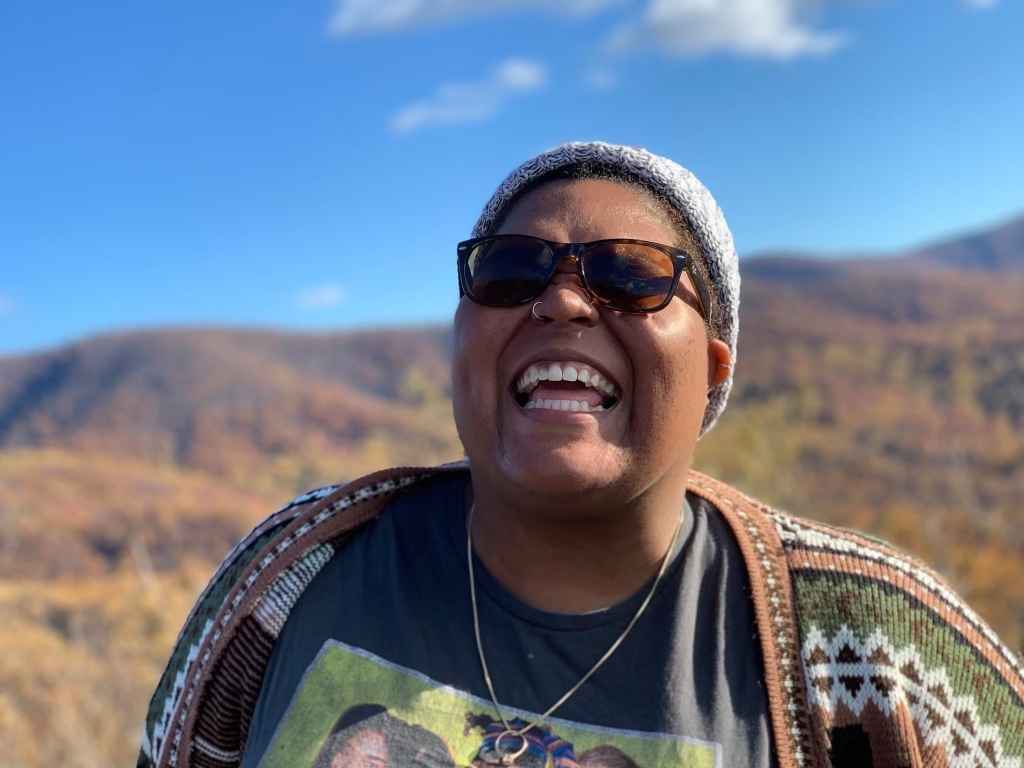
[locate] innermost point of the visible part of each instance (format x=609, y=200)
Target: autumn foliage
x=884, y=396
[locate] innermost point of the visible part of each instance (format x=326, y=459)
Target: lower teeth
x=556, y=405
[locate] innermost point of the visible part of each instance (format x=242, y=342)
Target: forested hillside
x=885, y=394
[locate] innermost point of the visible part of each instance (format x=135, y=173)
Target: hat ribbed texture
x=684, y=192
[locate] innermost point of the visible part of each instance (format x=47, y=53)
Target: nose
x=565, y=298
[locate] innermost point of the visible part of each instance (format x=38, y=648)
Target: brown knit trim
x=772, y=594
x=893, y=736
x=949, y=614
x=359, y=501
x=227, y=704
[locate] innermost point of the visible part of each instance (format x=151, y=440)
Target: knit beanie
x=680, y=189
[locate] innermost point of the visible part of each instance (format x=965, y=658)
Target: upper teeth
x=567, y=371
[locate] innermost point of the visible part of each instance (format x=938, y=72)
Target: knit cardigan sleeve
x=897, y=669
x=176, y=688
x=200, y=712
x=870, y=659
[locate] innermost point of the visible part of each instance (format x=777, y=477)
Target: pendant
x=507, y=753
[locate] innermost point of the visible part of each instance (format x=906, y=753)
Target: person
x=367, y=736
x=573, y=574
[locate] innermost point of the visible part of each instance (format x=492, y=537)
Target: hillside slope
x=884, y=394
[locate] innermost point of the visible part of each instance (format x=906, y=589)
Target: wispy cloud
x=358, y=17
x=323, y=296
x=777, y=29
x=473, y=101
x=6, y=305
x=600, y=78
x=980, y=3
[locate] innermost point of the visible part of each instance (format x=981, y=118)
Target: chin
x=561, y=473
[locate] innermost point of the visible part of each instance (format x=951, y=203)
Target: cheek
x=675, y=369
x=474, y=361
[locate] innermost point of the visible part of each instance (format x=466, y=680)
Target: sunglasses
x=635, y=276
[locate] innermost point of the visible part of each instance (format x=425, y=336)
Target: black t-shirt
x=377, y=664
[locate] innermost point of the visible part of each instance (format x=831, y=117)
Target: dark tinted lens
x=508, y=270
x=629, y=276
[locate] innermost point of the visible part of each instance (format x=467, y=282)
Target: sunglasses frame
x=682, y=261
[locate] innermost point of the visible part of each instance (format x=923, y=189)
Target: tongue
x=566, y=390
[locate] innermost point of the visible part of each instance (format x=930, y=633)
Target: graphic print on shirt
x=353, y=709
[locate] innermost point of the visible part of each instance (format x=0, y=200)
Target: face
x=657, y=364
x=366, y=749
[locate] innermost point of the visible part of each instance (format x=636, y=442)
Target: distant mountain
x=220, y=400
x=884, y=394
x=999, y=249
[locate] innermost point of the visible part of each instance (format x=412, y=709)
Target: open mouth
x=564, y=386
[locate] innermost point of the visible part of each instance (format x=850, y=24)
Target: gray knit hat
x=679, y=188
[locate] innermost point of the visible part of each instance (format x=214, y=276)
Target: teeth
x=578, y=372
x=565, y=405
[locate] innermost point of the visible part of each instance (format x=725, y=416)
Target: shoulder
x=237, y=617
x=876, y=654
x=884, y=638
x=200, y=621
x=843, y=577
x=846, y=578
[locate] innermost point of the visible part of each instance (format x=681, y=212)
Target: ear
x=719, y=362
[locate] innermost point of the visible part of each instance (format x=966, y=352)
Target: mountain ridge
x=881, y=395
x=995, y=248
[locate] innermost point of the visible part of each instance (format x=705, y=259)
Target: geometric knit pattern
x=870, y=659
x=815, y=542
x=685, y=193
x=896, y=666
x=848, y=676
x=152, y=742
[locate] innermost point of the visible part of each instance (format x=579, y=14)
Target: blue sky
x=311, y=165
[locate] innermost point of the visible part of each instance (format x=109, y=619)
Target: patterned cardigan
x=869, y=658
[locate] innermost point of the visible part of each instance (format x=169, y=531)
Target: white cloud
x=469, y=102
x=981, y=3
x=6, y=305
x=769, y=28
x=355, y=17
x=323, y=296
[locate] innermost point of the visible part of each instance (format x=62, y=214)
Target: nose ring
x=533, y=311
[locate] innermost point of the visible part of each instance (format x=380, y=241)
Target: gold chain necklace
x=497, y=755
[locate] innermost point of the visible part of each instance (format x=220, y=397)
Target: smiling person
x=573, y=576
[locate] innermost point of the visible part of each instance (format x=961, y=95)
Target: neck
x=577, y=563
